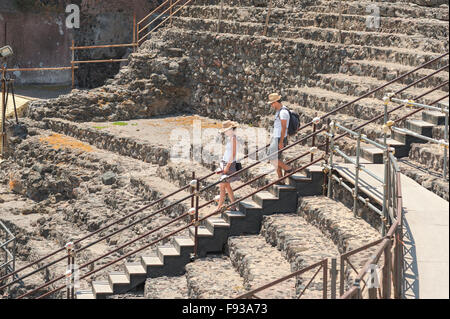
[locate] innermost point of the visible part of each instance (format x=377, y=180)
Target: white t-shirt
x=282, y=114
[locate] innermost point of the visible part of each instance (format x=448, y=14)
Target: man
x=279, y=135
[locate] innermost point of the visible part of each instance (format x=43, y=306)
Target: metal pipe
x=313, y=142
x=337, y=150
x=325, y=278
x=357, y=168
x=408, y=132
x=385, y=189
x=73, y=64
x=333, y=275
x=445, y=149
x=332, y=130
x=41, y=69
x=220, y=16
x=364, y=138
x=421, y=109
x=164, y=19
x=275, y=282
x=196, y=224
x=105, y=46
x=412, y=103
x=148, y=15
x=100, y=61
x=362, y=199
x=267, y=18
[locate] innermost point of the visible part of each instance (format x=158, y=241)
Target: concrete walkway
x=426, y=234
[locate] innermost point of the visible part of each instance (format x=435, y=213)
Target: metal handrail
x=321, y=264
x=420, y=105
x=187, y=197
x=151, y=31
x=194, y=222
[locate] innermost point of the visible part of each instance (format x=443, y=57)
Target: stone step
x=259, y=263
x=358, y=85
x=347, y=232
x=101, y=289
x=165, y=287
x=385, y=71
x=136, y=273
x=432, y=29
x=406, y=56
x=84, y=294
x=423, y=175
x=302, y=245
x=213, y=278
x=433, y=117
x=119, y=282
x=420, y=127
x=401, y=149
x=430, y=155
x=323, y=100
x=321, y=19
x=363, y=38
x=398, y=9
x=372, y=154
x=439, y=132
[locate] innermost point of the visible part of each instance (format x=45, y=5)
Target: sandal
x=234, y=208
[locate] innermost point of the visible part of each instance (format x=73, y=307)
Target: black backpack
x=294, y=122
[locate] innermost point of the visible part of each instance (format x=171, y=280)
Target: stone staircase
x=170, y=260
x=403, y=143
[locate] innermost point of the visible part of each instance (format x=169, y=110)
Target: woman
x=228, y=163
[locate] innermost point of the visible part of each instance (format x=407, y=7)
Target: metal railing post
x=171, y=12
x=357, y=168
x=445, y=149
x=134, y=31
x=333, y=275
x=220, y=16
x=69, y=271
x=357, y=284
x=325, y=279
x=332, y=130
x=340, y=22
x=197, y=189
x=73, y=64
x=387, y=272
x=3, y=110
x=313, y=143
x=385, y=192
x=267, y=18
x=341, y=275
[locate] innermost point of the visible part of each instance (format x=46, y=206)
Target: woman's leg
x=222, y=194
x=230, y=193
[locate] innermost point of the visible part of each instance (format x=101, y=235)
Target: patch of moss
x=120, y=123
x=134, y=124
x=100, y=127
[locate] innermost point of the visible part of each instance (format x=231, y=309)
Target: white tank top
x=229, y=150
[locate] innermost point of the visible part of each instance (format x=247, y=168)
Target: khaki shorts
x=273, y=148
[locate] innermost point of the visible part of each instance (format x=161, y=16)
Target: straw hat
x=228, y=125
x=274, y=97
